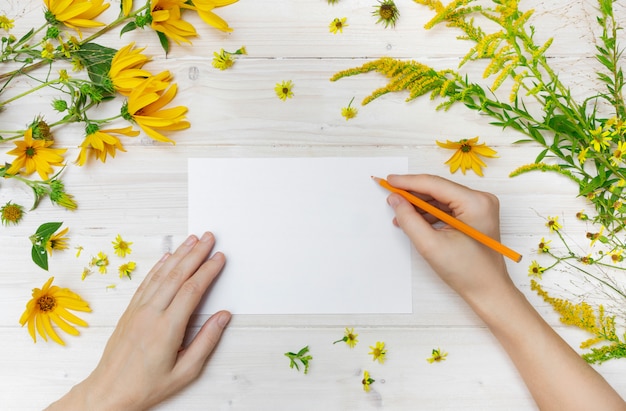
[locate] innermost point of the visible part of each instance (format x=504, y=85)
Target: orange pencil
x=452, y=222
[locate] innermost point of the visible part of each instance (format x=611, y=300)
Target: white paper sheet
x=301, y=235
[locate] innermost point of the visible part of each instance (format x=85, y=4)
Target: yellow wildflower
x=535, y=270
x=553, y=224
x=349, y=111
x=166, y=19
x=437, y=355
x=543, y=245
x=350, y=338
x=582, y=216
x=75, y=13
x=387, y=13
x=619, y=154
x=126, y=72
x=337, y=25
x=35, y=155
x=126, y=269
x=467, y=155
x=222, y=60
x=366, y=381
x=616, y=255
x=600, y=139
x=121, y=247
x=595, y=236
x=57, y=241
x=582, y=155
x=378, y=352
x=101, y=261
x=101, y=143
x=205, y=11
x=6, y=23
x=47, y=51
x=11, y=213
x=86, y=272
x=145, y=107
x=50, y=304
x=284, y=90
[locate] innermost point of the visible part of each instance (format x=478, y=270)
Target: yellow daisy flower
x=75, y=13
x=11, y=213
x=126, y=71
x=349, y=111
x=350, y=338
x=582, y=155
x=50, y=304
x=101, y=261
x=595, y=236
x=437, y=355
x=284, y=90
x=222, y=60
x=366, y=381
x=616, y=255
x=47, y=51
x=166, y=19
x=126, y=269
x=619, y=154
x=535, y=270
x=6, y=23
x=467, y=155
x=58, y=241
x=204, y=9
x=543, y=245
x=35, y=155
x=600, y=139
x=121, y=247
x=101, y=143
x=378, y=352
x=144, y=107
x=337, y=25
x=553, y=224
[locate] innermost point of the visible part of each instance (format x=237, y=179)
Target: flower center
x=12, y=213
x=386, y=12
x=466, y=148
x=30, y=152
x=285, y=90
x=46, y=303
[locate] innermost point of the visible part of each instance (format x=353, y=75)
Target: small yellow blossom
x=553, y=224
x=582, y=216
x=437, y=355
x=582, y=155
x=349, y=111
x=601, y=139
x=11, y=213
x=595, y=236
x=102, y=143
x=587, y=260
x=284, y=90
x=366, y=381
x=222, y=60
x=57, y=241
x=6, y=23
x=616, y=255
x=35, y=155
x=350, y=338
x=101, y=261
x=63, y=76
x=127, y=269
x=543, y=245
x=378, y=352
x=619, y=154
x=337, y=25
x=535, y=270
x=467, y=155
x=121, y=247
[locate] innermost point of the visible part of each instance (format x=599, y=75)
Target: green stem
x=17, y=97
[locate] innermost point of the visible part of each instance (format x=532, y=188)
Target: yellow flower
x=553, y=224
x=204, y=9
x=126, y=71
x=595, y=236
x=50, y=304
x=101, y=261
x=126, y=269
x=601, y=139
x=101, y=143
x=35, y=155
x=616, y=255
x=284, y=90
x=144, y=108
x=387, y=13
x=337, y=25
x=127, y=6
x=378, y=352
x=121, y=247
x=166, y=19
x=619, y=154
x=86, y=272
x=75, y=13
x=366, y=381
x=6, y=23
x=57, y=241
x=11, y=213
x=350, y=338
x=47, y=51
x=535, y=270
x=582, y=155
x=222, y=60
x=349, y=111
x=582, y=216
x=437, y=355
x=467, y=155
x=543, y=245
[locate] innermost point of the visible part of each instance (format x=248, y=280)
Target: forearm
x=557, y=377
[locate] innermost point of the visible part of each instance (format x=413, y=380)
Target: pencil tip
x=375, y=178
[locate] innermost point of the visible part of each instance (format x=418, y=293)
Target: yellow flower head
x=543, y=245
x=101, y=261
x=619, y=154
x=145, y=107
x=126, y=71
x=467, y=155
x=57, y=241
x=284, y=90
x=378, y=352
x=553, y=224
x=349, y=111
x=101, y=143
x=35, y=155
x=600, y=139
x=222, y=60
x=6, y=23
x=595, y=236
x=166, y=19
x=337, y=25
x=535, y=270
x=47, y=51
x=582, y=155
x=50, y=304
x=350, y=338
x=75, y=13
x=616, y=255
x=205, y=11
x=437, y=355
x=11, y=213
x=366, y=381
x=121, y=247
x=126, y=269
x=387, y=13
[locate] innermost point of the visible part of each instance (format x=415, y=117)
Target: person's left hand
x=144, y=361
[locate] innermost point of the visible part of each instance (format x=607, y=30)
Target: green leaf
x=129, y=27
x=97, y=60
x=47, y=229
x=165, y=43
x=40, y=257
x=541, y=156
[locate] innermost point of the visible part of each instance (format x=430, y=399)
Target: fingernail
x=191, y=240
x=223, y=319
x=206, y=237
x=393, y=201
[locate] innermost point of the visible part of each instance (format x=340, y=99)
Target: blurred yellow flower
x=337, y=25
x=101, y=261
x=284, y=90
x=6, y=23
x=535, y=270
x=57, y=241
x=204, y=9
x=366, y=381
x=75, y=13
x=121, y=247
x=553, y=224
x=467, y=155
x=126, y=269
x=166, y=19
x=50, y=304
x=349, y=111
x=350, y=338
x=35, y=155
x=437, y=355
x=101, y=143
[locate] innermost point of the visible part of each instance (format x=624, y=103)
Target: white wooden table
x=142, y=195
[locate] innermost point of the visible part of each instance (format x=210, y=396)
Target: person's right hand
x=468, y=266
